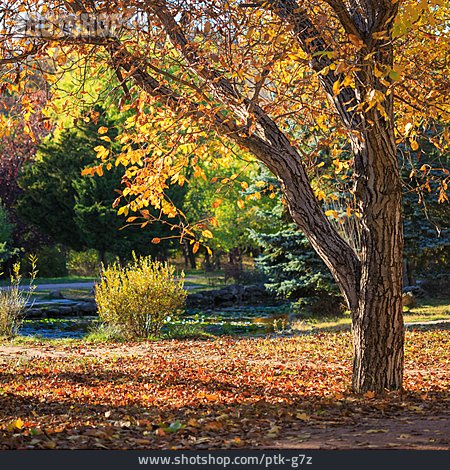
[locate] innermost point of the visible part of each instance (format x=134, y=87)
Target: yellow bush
x=140, y=297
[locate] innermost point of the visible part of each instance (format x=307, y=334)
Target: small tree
x=77, y=211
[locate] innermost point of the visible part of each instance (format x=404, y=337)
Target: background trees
x=6, y=231
x=77, y=211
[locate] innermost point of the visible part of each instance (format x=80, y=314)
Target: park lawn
x=223, y=393
x=428, y=310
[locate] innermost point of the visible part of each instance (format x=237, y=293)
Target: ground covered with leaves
x=285, y=392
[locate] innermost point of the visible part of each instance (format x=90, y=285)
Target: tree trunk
x=378, y=333
x=191, y=255
x=102, y=258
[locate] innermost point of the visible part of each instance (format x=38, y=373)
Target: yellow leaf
x=123, y=210
x=102, y=130
x=348, y=81
x=332, y=213
x=216, y=203
x=15, y=425
x=207, y=234
x=321, y=195
x=102, y=152
x=240, y=204
x=336, y=87
x=414, y=144
x=86, y=171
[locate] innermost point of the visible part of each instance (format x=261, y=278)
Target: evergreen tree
x=6, y=232
x=293, y=269
x=426, y=218
x=76, y=210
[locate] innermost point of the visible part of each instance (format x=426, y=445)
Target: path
x=73, y=285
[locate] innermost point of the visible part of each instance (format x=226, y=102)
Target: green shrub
x=83, y=263
x=293, y=268
x=52, y=262
x=140, y=297
x=14, y=299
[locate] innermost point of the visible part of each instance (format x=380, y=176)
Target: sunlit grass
x=428, y=310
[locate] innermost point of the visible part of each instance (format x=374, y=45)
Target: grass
x=436, y=307
x=54, y=280
x=428, y=310
x=37, y=341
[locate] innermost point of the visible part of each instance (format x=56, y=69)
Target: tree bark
x=378, y=333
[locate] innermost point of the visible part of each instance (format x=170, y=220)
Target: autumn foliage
x=278, y=81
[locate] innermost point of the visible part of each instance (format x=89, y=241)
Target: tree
x=6, y=230
x=293, y=268
x=218, y=201
x=17, y=147
x=426, y=222
x=253, y=73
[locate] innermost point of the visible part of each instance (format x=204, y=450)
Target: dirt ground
x=278, y=393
